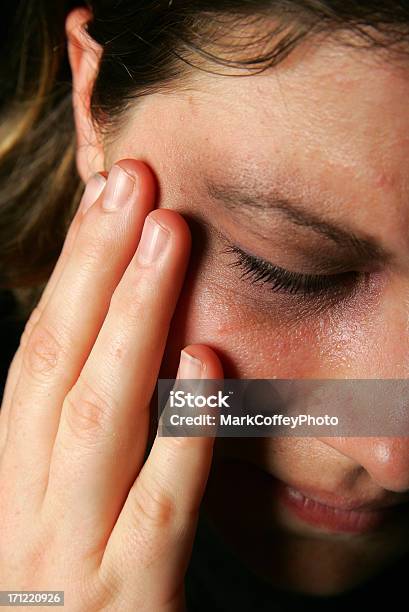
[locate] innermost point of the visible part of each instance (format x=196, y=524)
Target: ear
x=84, y=56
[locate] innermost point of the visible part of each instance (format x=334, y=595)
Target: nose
x=386, y=460
x=381, y=352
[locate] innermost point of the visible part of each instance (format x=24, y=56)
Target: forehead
x=346, y=105
x=331, y=122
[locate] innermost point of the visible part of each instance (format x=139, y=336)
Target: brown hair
x=148, y=46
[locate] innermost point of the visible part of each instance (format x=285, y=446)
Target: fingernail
x=118, y=190
x=153, y=241
x=189, y=366
x=92, y=191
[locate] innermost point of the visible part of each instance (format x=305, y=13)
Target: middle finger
x=102, y=436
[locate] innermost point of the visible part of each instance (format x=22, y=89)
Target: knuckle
x=93, y=248
x=133, y=304
x=42, y=352
x=34, y=557
x=92, y=593
x=29, y=326
x=111, y=581
x=155, y=510
x=87, y=412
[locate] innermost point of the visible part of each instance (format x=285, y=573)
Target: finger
x=92, y=191
x=151, y=542
x=62, y=338
x=104, y=422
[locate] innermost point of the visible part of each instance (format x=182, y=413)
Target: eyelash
x=257, y=270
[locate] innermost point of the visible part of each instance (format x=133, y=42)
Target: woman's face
x=286, y=165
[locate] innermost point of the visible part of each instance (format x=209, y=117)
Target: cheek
x=251, y=344
x=357, y=340
x=291, y=459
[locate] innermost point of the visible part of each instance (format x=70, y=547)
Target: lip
x=326, y=511
x=334, y=513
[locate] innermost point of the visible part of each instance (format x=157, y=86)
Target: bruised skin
x=331, y=126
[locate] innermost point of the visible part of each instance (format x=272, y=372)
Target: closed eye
x=260, y=271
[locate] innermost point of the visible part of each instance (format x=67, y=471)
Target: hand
x=80, y=510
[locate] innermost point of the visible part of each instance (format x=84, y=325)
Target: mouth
x=339, y=516
x=300, y=507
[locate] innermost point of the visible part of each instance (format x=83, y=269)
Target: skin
x=261, y=131
x=69, y=411
x=267, y=130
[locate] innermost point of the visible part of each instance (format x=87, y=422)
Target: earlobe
x=84, y=56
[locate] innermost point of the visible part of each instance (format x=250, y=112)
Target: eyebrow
x=363, y=247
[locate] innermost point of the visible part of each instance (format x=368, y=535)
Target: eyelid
x=258, y=270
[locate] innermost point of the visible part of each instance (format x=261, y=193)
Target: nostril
x=385, y=461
